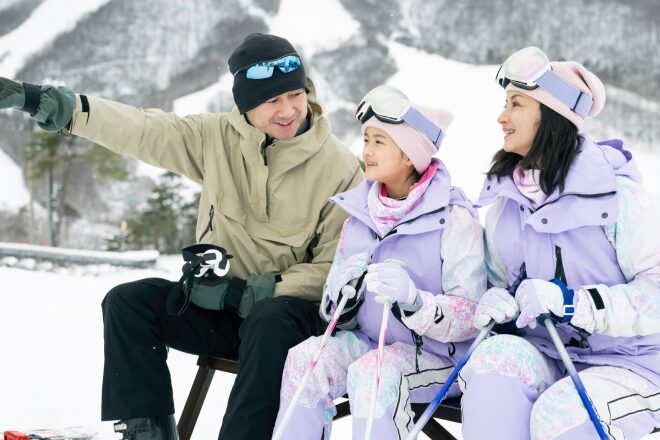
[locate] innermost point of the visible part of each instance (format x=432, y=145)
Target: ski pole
x=430, y=409
x=312, y=363
x=579, y=386
x=387, y=305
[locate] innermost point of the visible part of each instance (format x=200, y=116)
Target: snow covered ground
x=51, y=352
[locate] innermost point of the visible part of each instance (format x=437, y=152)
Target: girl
x=421, y=247
x=571, y=213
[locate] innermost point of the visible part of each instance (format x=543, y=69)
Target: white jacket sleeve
x=631, y=309
x=448, y=317
x=495, y=267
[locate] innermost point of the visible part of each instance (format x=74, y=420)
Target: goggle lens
x=265, y=69
x=385, y=102
x=523, y=68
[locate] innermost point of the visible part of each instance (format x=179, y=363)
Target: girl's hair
x=555, y=145
x=414, y=176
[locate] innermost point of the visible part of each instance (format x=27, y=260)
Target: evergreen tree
x=166, y=222
x=52, y=156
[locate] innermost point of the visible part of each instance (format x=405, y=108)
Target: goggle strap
x=569, y=95
x=423, y=124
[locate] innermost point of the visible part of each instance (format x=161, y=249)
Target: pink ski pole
x=387, y=305
x=348, y=292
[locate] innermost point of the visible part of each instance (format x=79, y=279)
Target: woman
x=572, y=214
x=416, y=238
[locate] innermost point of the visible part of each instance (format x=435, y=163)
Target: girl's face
x=520, y=121
x=384, y=161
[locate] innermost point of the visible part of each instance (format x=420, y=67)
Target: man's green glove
x=52, y=107
x=230, y=293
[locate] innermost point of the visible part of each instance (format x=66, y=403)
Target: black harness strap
x=32, y=97
x=234, y=294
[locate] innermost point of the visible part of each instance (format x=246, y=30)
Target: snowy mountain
x=172, y=55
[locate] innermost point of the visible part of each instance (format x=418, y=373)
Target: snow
x=51, y=351
x=50, y=19
x=14, y=193
x=309, y=36
x=198, y=102
x=130, y=258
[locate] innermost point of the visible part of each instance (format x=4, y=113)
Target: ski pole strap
x=176, y=305
x=190, y=253
x=510, y=328
x=234, y=294
x=569, y=294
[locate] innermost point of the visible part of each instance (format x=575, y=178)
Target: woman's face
x=520, y=121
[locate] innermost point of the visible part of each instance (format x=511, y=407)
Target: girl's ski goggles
x=530, y=68
x=265, y=69
x=392, y=106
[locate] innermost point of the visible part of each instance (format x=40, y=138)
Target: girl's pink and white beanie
x=415, y=144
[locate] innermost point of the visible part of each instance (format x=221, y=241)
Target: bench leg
x=191, y=410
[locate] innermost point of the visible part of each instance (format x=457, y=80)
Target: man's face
x=281, y=116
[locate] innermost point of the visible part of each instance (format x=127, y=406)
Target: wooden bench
x=449, y=410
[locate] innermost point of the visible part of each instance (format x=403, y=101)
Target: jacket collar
x=592, y=174
x=283, y=154
x=434, y=198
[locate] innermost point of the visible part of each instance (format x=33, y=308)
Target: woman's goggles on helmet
x=392, y=106
x=265, y=69
x=530, y=68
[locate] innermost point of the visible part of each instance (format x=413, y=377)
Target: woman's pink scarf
x=527, y=182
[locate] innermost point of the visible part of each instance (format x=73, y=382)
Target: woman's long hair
x=555, y=145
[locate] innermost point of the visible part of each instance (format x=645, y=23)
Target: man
x=267, y=170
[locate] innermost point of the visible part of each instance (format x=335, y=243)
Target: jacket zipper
x=209, y=227
x=559, y=266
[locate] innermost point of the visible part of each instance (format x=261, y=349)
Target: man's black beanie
x=256, y=48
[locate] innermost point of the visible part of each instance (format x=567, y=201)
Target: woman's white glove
x=496, y=304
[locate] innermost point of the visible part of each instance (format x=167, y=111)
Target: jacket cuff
x=584, y=317
x=425, y=316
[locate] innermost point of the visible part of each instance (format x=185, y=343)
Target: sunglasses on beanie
x=265, y=69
